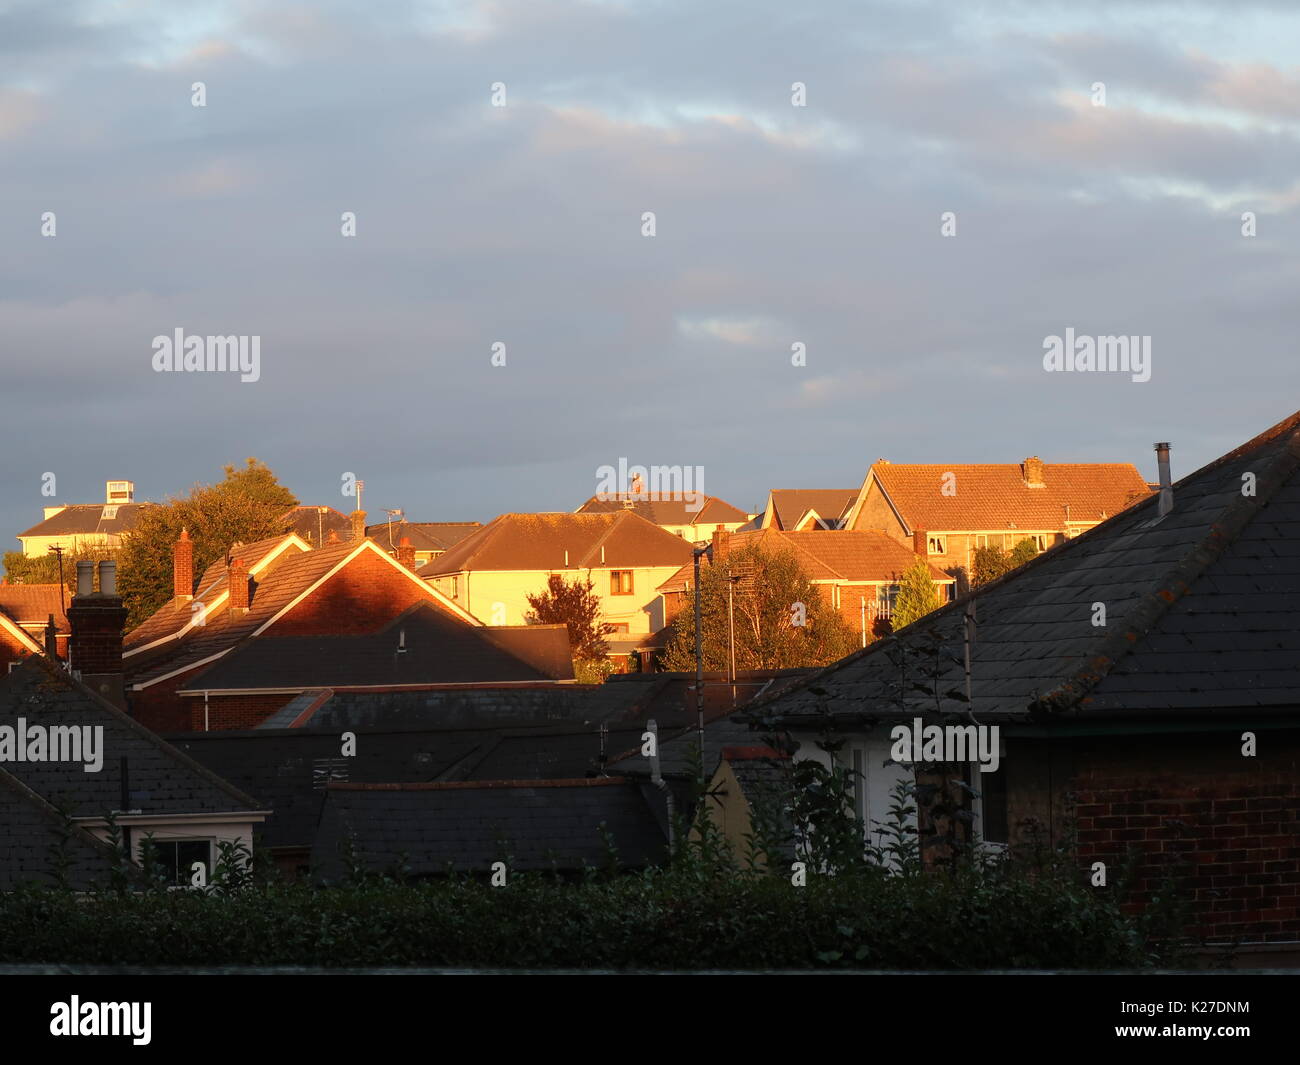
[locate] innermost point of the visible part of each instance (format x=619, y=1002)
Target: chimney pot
x=108, y=578
x=85, y=577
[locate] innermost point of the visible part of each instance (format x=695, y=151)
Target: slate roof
x=532, y=824
x=161, y=779
x=79, y=519
x=540, y=541
x=32, y=604
x=1202, y=612
x=825, y=555
x=992, y=495
x=32, y=827
x=661, y=511
x=440, y=649
x=314, y=524
x=424, y=535
x=791, y=504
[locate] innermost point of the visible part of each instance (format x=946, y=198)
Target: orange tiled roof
x=32, y=604
x=993, y=496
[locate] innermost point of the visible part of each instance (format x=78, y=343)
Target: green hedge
x=659, y=920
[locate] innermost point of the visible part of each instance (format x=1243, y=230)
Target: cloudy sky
x=775, y=225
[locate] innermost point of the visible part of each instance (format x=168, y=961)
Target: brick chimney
x=721, y=544
x=1032, y=468
x=183, y=567
x=920, y=543
x=237, y=579
x=97, y=620
x=358, y=519
x=52, y=640
x=406, y=553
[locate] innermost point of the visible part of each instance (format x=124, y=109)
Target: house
x=1144, y=678
x=428, y=539
x=801, y=509
x=83, y=761
x=25, y=612
x=694, y=521
x=273, y=588
x=856, y=573
x=492, y=572
x=956, y=508
x=83, y=526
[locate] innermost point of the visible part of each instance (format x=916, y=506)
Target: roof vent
x=1166, y=503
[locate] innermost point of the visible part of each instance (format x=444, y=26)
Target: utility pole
x=699, y=651
x=57, y=550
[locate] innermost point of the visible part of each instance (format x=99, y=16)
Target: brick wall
x=1226, y=827
x=362, y=598
x=234, y=711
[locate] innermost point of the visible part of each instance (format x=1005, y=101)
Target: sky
x=775, y=225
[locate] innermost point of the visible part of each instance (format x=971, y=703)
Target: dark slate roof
x=161, y=779
x=314, y=524
x=83, y=518
x=530, y=824
x=666, y=511
x=1202, y=612
x=678, y=747
x=440, y=649
x=32, y=827
x=424, y=535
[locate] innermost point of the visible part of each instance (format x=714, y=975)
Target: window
x=1041, y=541
x=620, y=582
x=981, y=541
x=455, y=587
x=177, y=857
x=993, y=806
x=110, y=512
x=937, y=545
x=618, y=627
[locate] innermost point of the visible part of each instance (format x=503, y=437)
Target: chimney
x=333, y=537
x=183, y=567
x=1166, y=503
x=721, y=544
x=97, y=620
x=52, y=640
x=237, y=579
x=406, y=553
x=1032, y=468
x=358, y=519
x=920, y=543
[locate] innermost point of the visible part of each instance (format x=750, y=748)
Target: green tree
x=781, y=619
x=44, y=569
x=577, y=606
x=917, y=595
x=247, y=506
x=992, y=562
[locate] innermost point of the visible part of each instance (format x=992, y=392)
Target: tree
x=917, y=595
x=576, y=606
x=249, y=505
x=992, y=562
x=781, y=619
x=44, y=569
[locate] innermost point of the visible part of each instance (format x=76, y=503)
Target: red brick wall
x=362, y=598
x=159, y=707
x=10, y=651
x=234, y=711
x=876, y=514
x=1227, y=827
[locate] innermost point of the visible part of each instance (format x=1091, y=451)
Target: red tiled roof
x=540, y=542
x=826, y=555
x=791, y=504
x=661, y=511
x=32, y=604
x=992, y=496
